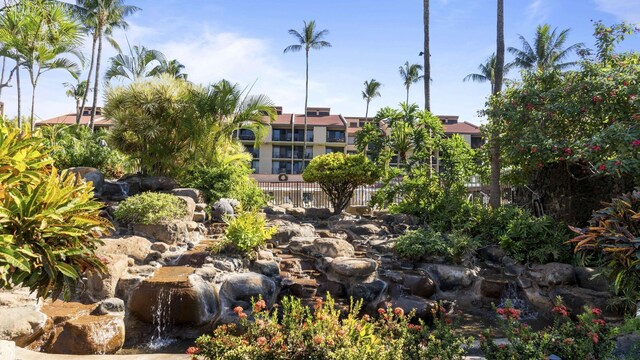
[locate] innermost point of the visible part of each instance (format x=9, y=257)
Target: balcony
x=334, y=139
x=281, y=137
x=245, y=135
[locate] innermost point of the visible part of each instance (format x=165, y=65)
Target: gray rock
x=492, y=253
x=222, y=208
x=589, y=278
x=190, y=206
x=318, y=213
x=135, y=247
x=201, y=206
x=300, y=244
x=110, y=306
x=274, y=210
x=264, y=255
x=226, y=263
x=92, y=175
x=22, y=325
x=333, y=247
x=240, y=290
x=419, y=284
x=423, y=308
x=157, y=183
x=199, y=216
x=451, y=277
x=195, y=194
x=296, y=211
x=576, y=298
x=552, y=274
x=168, y=233
x=285, y=230
x=370, y=293
x=103, y=285
x=352, y=270
x=269, y=268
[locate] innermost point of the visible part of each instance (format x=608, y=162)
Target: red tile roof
x=462, y=128
x=328, y=120
x=70, y=119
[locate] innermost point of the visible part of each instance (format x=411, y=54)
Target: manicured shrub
x=248, y=230
x=49, y=223
x=417, y=244
x=150, y=208
x=326, y=333
x=339, y=174
x=589, y=337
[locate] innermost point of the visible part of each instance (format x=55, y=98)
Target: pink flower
x=259, y=305
x=192, y=350
x=534, y=149
x=602, y=167
x=261, y=340
x=596, y=311
x=562, y=310
x=238, y=309
x=381, y=311
x=635, y=143
x=567, y=151
x=398, y=311
x=595, y=148
x=618, y=163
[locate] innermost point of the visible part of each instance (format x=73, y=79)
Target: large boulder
x=222, y=208
x=348, y=270
x=589, y=278
x=423, y=308
x=274, y=210
x=23, y=325
x=138, y=184
x=102, y=285
x=92, y=175
x=419, y=284
x=190, y=206
x=195, y=194
x=134, y=247
x=370, y=293
x=318, y=213
x=333, y=247
x=176, y=292
x=286, y=230
x=240, y=290
x=115, y=190
x=302, y=245
x=169, y=233
x=576, y=298
x=552, y=274
x=450, y=277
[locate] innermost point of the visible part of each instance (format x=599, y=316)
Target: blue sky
x=243, y=41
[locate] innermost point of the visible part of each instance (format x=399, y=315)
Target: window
x=255, y=165
x=335, y=136
x=353, y=124
x=330, y=150
x=351, y=140
x=281, y=135
x=281, y=167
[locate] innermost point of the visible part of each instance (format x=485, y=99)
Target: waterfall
x=124, y=188
x=161, y=312
x=510, y=297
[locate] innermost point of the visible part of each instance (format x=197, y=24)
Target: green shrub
x=417, y=244
x=247, y=231
x=297, y=333
x=150, y=208
x=49, y=224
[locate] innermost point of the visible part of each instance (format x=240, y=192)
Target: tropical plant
x=487, y=72
x=140, y=63
x=410, y=74
x=248, y=231
x=49, y=224
x=308, y=39
x=547, y=52
x=424, y=242
x=11, y=25
x=150, y=208
x=77, y=91
x=339, y=174
x=171, y=67
x=100, y=18
x=371, y=90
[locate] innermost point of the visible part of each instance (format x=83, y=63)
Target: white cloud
x=538, y=11
x=628, y=10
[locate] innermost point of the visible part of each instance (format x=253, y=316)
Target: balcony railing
x=250, y=136
x=336, y=139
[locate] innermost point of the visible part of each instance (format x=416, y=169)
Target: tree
x=171, y=67
x=495, y=196
x=410, y=73
x=140, y=63
x=12, y=22
x=101, y=17
x=339, y=175
x=309, y=39
x=487, y=72
x=371, y=90
x=77, y=91
x=427, y=58
x=547, y=52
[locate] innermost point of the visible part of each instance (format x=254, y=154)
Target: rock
x=264, y=255
x=199, y=216
x=23, y=325
x=286, y=230
x=92, y=175
x=103, y=285
x=360, y=210
x=115, y=190
x=367, y=229
x=419, y=284
x=296, y=211
x=269, y=268
x=135, y=247
x=201, y=206
x=589, y=278
x=168, y=233
x=160, y=247
x=352, y=270
x=370, y=293
x=226, y=263
x=318, y=213
x=303, y=288
x=195, y=194
x=576, y=299
x=492, y=288
x=222, y=208
x=18, y=297
x=423, y=308
x=7, y=350
x=333, y=247
x=190, y=206
x=157, y=183
x=552, y=274
x=302, y=245
x=240, y=289
x=109, y=306
x=626, y=346
x=274, y=210
x=90, y=334
x=383, y=245
x=538, y=298
x=183, y=297
x=492, y=253
x=450, y=277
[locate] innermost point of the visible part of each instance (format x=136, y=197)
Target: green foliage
x=589, y=337
x=613, y=233
x=74, y=145
x=49, y=224
x=339, y=174
x=150, y=208
x=424, y=242
x=297, y=333
x=631, y=325
x=248, y=231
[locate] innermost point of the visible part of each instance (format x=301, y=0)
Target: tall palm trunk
x=97, y=77
x=427, y=59
x=34, y=83
x=366, y=113
x=306, y=98
x=494, y=187
x=19, y=94
x=80, y=108
x=407, y=95
x=4, y=63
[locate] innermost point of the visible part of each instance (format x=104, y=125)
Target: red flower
x=242, y=315
x=562, y=310
x=318, y=339
x=635, y=143
x=618, y=163
x=596, y=99
x=261, y=340
x=398, y=311
x=533, y=149
x=596, y=311
x=599, y=322
x=594, y=337
x=567, y=151
x=602, y=167
x=192, y=350
x=595, y=148
x=259, y=305
x=561, y=158
x=238, y=309
x=447, y=320
x=381, y=311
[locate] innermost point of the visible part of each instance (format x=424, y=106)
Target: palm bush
x=49, y=224
x=247, y=231
x=150, y=208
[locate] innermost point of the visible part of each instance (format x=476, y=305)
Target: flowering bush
x=324, y=332
x=588, y=337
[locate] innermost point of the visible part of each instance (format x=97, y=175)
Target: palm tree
x=495, y=196
x=547, y=51
x=139, y=64
x=410, y=73
x=307, y=40
x=370, y=91
x=12, y=22
x=101, y=17
x=171, y=67
x=427, y=58
x=77, y=91
x=487, y=71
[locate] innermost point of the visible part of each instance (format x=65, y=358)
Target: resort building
x=100, y=122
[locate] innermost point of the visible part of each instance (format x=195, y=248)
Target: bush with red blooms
x=587, y=337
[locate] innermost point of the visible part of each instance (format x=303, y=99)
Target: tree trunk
x=306, y=98
x=19, y=97
x=80, y=109
x=366, y=113
x=407, y=96
x=4, y=63
x=494, y=188
x=427, y=59
x=97, y=77
x=33, y=103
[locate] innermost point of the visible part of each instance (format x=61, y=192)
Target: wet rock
x=352, y=270
x=419, y=284
x=114, y=190
x=154, y=256
x=318, y=213
x=23, y=325
x=589, y=278
x=168, y=233
x=195, y=194
x=89, y=334
x=102, y=285
x=492, y=288
x=333, y=247
x=240, y=289
x=92, y=175
x=269, y=268
x=370, y=293
x=450, y=277
x=286, y=230
x=135, y=247
x=552, y=274
x=183, y=297
x=226, y=263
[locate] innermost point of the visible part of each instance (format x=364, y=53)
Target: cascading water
x=124, y=188
x=510, y=297
x=161, y=320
